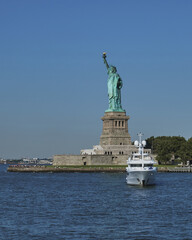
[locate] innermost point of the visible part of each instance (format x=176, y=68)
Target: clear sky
x=53, y=82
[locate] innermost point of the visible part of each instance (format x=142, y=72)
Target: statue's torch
x=104, y=54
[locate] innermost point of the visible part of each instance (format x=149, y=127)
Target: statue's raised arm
x=105, y=61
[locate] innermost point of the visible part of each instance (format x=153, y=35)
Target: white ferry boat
x=140, y=170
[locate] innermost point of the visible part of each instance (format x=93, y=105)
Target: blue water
x=56, y=206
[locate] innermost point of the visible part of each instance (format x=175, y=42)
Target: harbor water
x=84, y=206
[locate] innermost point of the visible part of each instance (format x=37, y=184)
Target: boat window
x=136, y=165
x=148, y=165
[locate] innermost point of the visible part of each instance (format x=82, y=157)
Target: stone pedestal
x=115, y=129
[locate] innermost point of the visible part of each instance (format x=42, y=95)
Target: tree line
x=170, y=149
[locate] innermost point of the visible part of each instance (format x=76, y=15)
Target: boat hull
x=142, y=178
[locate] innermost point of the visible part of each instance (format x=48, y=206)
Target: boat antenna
x=140, y=135
x=140, y=143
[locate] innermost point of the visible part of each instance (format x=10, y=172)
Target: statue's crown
x=113, y=67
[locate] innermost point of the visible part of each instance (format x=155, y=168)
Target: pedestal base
x=115, y=129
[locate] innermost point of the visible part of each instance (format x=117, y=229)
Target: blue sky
x=53, y=82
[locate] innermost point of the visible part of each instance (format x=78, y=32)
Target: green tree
x=149, y=143
x=168, y=148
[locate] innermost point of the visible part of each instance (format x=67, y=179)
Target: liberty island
x=115, y=142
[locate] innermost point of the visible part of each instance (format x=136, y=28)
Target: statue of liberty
x=114, y=88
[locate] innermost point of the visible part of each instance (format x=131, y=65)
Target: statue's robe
x=114, y=90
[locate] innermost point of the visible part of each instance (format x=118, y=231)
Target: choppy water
x=56, y=206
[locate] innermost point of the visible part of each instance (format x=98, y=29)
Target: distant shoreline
x=87, y=169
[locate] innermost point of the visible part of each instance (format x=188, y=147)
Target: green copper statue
x=114, y=88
